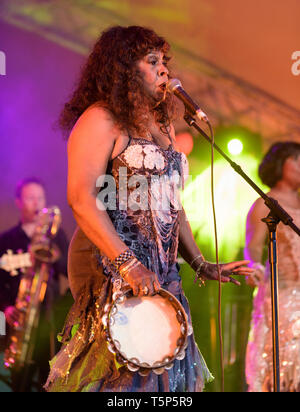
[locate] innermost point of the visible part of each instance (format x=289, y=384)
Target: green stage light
x=235, y=147
x=233, y=199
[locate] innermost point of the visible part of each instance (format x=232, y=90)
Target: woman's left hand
x=210, y=271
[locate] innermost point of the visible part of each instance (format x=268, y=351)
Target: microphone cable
x=192, y=109
x=217, y=256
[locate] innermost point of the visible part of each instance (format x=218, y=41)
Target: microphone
x=175, y=86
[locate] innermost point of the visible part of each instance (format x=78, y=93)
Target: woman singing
x=120, y=116
x=280, y=170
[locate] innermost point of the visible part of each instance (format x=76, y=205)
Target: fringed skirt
x=84, y=363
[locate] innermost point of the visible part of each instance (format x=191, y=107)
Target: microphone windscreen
x=173, y=84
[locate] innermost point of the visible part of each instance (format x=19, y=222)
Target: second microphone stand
x=277, y=214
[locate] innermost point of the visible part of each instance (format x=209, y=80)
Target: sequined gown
x=151, y=231
x=259, y=362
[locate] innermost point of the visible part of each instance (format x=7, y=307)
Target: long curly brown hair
x=111, y=79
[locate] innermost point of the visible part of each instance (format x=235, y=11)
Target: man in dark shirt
x=30, y=200
x=16, y=239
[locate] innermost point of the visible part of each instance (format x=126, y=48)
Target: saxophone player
x=30, y=200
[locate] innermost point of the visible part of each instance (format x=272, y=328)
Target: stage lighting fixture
x=235, y=147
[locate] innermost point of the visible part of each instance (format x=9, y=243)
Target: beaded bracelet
x=122, y=258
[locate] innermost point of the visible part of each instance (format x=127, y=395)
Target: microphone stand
x=277, y=214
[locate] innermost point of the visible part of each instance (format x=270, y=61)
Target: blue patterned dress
x=144, y=209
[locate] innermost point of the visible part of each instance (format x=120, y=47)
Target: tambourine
x=146, y=333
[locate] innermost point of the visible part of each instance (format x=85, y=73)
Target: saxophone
x=32, y=289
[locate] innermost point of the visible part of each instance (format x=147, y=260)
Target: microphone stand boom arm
x=277, y=214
